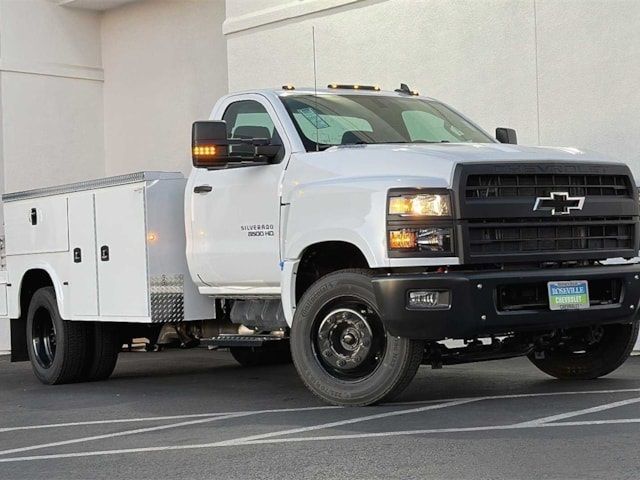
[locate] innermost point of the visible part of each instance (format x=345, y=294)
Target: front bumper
x=474, y=308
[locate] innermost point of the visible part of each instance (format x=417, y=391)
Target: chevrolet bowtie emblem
x=559, y=203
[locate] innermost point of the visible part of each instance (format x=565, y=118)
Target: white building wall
x=561, y=73
x=165, y=66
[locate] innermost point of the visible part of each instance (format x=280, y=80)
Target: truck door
x=235, y=223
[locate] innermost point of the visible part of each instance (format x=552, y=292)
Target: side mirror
x=506, y=135
x=212, y=149
x=209, y=144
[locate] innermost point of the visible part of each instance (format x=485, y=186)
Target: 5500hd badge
x=258, y=230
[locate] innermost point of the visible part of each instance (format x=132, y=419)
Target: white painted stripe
x=350, y=421
x=524, y=395
x=302, y=409
x=437, y=431
x=154, y=419
x=149, y=429
x=314, y=439
x=106, y=422
x=584, y=411
x=117, y=434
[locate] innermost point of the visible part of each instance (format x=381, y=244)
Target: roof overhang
x=97, y=5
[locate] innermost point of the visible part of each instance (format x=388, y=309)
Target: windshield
x=326, y=120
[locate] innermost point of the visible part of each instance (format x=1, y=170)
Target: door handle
x=202, y=189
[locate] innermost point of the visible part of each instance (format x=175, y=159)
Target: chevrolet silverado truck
x=352, y=229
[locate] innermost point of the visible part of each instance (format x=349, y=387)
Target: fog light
x=419, y=299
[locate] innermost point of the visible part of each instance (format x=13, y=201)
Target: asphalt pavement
x=197, y=414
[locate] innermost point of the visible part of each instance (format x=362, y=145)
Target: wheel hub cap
x=345, y=338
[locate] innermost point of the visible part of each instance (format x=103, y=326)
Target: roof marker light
x=288, y=86
x=338, y=86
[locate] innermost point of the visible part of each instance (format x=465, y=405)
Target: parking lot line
x=326, y=407
x=584, y=411
x=270, y=437
x=152, y=429
x=486, y=428
x=312, y=439
x=152, y=419
x=350, y=421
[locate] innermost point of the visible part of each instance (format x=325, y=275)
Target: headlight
x=420, y=223
x=433, y=239
x=419, y=205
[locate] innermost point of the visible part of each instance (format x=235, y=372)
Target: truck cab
x=451, y=233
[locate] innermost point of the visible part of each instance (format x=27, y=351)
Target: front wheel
x=340, y=347
x=588, y=353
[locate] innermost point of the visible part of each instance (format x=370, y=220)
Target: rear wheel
x=57, y=348
x=272, y=353
x=104, y=348
x=588, y=353
x=340, y=347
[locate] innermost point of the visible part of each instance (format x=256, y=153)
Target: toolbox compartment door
x=83, y=275
x=37, y=225
x=121, y=251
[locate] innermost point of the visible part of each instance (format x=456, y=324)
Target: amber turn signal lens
x=204, y=150
x=402, y=239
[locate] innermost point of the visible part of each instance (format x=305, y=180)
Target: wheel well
x=32, y=281
x=323, y=258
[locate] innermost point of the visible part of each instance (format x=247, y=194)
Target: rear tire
x=58, y=349
x=103, y=352
x=340, y=347
x=272, y=353
x=596, y=359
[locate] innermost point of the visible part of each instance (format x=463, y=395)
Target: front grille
x=499, y=221
x=534, y=296
x=537, y=185
x=512, y=236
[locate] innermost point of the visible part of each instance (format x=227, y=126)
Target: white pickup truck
x=349, y=228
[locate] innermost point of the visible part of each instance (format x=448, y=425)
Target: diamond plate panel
x=167, y=298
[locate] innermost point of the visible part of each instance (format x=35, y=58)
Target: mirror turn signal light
x=204, y=150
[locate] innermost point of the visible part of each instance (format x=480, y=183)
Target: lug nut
x=479, y=286
x=483, y=317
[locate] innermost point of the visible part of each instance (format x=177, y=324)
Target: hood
x=420, y=164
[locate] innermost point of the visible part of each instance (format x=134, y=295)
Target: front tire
x=592, y=353
x=57, y=348
x=340, y=347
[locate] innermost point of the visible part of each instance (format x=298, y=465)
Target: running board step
x=227, y=340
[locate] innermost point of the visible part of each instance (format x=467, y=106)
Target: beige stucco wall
x=51, y=94
x=165, y=66
x=560, y=72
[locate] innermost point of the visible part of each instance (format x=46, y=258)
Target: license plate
x=568, y=295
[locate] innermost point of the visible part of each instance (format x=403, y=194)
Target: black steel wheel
x=57, y=348
x=340, y=347
x=348, y=339
x=588, y=353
